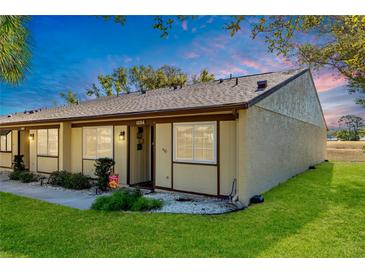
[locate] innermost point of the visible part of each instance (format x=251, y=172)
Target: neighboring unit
x=256, y=130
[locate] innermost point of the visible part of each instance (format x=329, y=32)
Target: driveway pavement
x=71, y=198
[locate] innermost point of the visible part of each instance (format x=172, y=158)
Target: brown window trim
x=6, y=142
x=195, y=163
x=47, y=156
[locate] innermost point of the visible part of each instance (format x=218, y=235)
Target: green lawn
x=320, y=213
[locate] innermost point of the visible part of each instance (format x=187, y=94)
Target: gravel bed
x=191, y=204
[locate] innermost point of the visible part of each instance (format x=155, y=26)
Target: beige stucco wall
x=24, y=146
x=76, y=150
x=33, y=152
x=279, y=140
x=47, y=164
x=298, y=99
x=5, y=160
x=64, y=148
x=195, y=178
x=163, y=155
x=120, y=154
x=227, y=155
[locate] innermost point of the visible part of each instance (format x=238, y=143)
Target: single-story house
x=242, y=135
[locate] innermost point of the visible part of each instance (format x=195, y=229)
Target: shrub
x=15, y=175
x=18, y=163
x=103, y=169
x=69, y=180
x=125, y=200
x=144, y=204
x=28, y=177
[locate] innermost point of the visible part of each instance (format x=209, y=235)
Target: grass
x=319, y=213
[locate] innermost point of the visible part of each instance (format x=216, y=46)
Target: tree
x=175, y=76
x=353, y=125
x=204, y=76
x=106, y=83
x=339, y=43
x=14, y=48
x=137, y=78
x=93, y=91
x=70, y=98
x=120, y=80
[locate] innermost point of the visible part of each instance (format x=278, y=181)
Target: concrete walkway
x=70, y=198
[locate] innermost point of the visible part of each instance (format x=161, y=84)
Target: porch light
x=122, y=135
x=31, y=137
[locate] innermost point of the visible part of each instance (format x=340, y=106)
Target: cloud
x=191, y=55
x=227, y=69
x=184, y=25
x=193, y=30
x=338, y=102
x=251, y=63
x=327, y=81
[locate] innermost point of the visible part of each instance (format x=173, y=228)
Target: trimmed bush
x=69, y=180
x=18, y=163
x=28, y=177
x=125, y=200
x=103, y=169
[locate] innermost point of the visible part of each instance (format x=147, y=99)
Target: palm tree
x=14, y=48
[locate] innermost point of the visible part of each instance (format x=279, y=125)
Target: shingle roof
x=207, y=95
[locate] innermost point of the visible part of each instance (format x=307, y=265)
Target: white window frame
x=97, y=145
x=193, y=124
x=58, y=143
x=6, y=136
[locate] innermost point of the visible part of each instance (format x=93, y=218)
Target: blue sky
x=70, y=51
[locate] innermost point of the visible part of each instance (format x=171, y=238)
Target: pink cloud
x=327, y=81
x=228, y=69
x=184, y=25
x=251, y=63
x=191, y=55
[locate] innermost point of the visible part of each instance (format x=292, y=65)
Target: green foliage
x=18, y=163
x=70, y=97
x=103, y=169
x=340, y=47
x=120, y=80
x=14, y=48
x=28, y=177
x=125, y=200
x=140, y=78
x=93, y=91
x=15, y=175
x=106, y=82
x=204, y=76
x=69, y=180
x=353, y=125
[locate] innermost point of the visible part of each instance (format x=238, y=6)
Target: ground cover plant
x=123, y=199
x=319, y=213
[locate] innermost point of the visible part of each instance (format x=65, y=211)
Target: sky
x=68, y=52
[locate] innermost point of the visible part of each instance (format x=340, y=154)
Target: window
x=97, y=142
x=47, y=142
x=5, y=142
x=195, y=142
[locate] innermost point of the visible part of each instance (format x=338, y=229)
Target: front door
x=141, y=155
